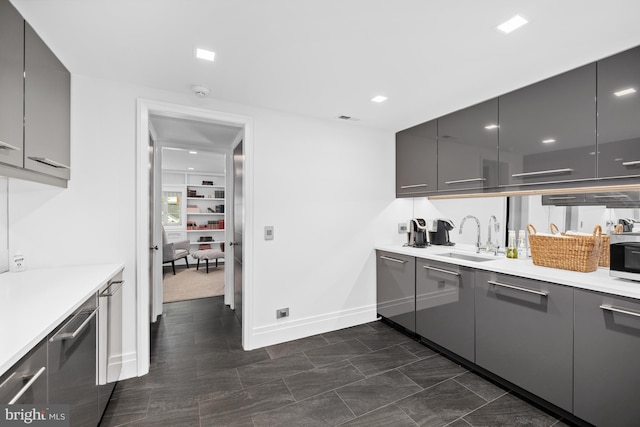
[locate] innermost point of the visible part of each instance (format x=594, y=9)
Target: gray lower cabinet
x=26, y=381
x=607, y=372
x=445, y=306
x=417, y=160
x=11, y=78
x=396, y=288
x=72, y=365
x=47, y=94
x=524, y=334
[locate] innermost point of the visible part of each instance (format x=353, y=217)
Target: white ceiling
x=325, y=58
x=177, y=132
x=183, y=160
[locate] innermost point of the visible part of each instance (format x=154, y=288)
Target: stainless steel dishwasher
x=109, y=339
x=72, y=365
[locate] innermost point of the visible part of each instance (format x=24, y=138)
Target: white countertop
x=34, y=302
x=598, y=280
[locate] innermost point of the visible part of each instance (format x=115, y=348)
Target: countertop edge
x=598, y=281
x=96, y=276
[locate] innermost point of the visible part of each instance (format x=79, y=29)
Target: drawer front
x=607, y=348
x=445, y=306
x=26, y=382
x=524, y=334
x=396, y=288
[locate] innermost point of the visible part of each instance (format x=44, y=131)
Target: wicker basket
x=575, y=253
x=603, y=260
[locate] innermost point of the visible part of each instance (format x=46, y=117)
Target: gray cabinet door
x=11, y=81
x=29, y=377
x=46, y=109
x=468, y=148
x=417, y=160
x=526, y=337
x=607, y=372
x=445, y=306
x=618, y=113
x=72, y=365
x=396, y=288
x=548, y=130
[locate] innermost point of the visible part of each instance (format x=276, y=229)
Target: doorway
x=194, y=116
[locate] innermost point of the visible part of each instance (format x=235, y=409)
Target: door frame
x=144, y=109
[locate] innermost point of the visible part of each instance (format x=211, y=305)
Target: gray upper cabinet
x=11, y=80
x=548, y=130
x=524, y=334
x=396, y=288
x=468, y=148
x=607, y=344
x=417, y=160
x=46, y=109
x=445, y=306
x=618, y=113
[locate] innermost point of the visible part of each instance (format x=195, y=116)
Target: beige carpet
x=192, y=284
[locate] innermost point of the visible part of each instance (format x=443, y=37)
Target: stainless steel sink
x=466, y=257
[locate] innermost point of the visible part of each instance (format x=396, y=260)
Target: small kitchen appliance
x=439, y=232
x=624, y=256
x=417, y=233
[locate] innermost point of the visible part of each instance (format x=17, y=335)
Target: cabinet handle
x=50, y=162
x=548, y=172
x=27, y=386
x=632, y=163
x=619, y=310
x=107, y=292
x=71, y=335
x=518, y=288
x=635, y=252
x=401, y=261
x=7, y=146
x=453, y=273
x=460, y=181
x=413, y=186
x=562, y=198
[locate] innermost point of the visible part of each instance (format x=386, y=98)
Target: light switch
x=268, y=232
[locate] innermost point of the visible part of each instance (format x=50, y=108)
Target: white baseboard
x=295, y=329
x=128, y=366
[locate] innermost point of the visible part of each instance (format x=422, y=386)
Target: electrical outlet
x=282, y=312
x=402, y=228
x=268, y=232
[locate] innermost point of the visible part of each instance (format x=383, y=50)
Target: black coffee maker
x=417, y=233
x=439, y=232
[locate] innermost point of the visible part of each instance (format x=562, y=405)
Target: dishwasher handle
x=61, y=336
x=108, y=292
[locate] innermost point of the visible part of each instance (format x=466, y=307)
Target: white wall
x=326, y=186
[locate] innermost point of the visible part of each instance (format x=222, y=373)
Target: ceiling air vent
x=344, y=117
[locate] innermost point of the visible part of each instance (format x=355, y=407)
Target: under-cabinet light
x=512, y=24
x=190, y=169
x=624, y=92
x=548, y=141
x=491, y=126
x=193, y=152
x=205, y=54
x=379, y=98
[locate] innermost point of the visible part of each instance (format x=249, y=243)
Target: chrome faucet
x=490, y=245
x=478, y=244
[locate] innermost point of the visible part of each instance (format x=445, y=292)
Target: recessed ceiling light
x=190, y=169
x=624, y=92
x=193, y=152
x=205, y=54
x=491, y=126
x=548, y=141
x=379, y=98
x=512, y=24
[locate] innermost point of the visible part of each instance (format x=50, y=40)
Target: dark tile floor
x=367, y=375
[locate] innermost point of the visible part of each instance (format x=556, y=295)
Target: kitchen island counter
x=34, y=302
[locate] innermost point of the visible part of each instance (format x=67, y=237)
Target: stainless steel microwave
x=624, y=259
